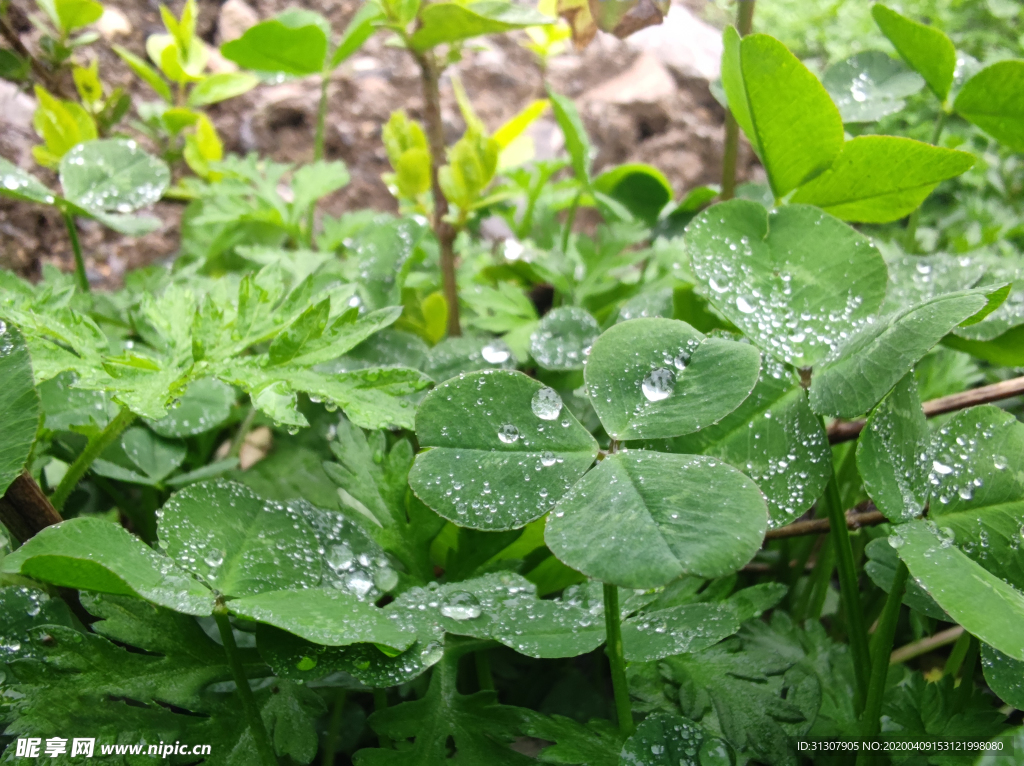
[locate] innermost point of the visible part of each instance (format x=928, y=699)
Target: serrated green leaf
x=237, y=542
x=879, y=179
x=658, y=378
x=95, y=554
x=507, y=464
x=796, y=281
x=19, y=405
x=641, y=519
x=926, y=49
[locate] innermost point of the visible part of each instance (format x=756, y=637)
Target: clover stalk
x=93, y=450
x=910, y=235
x=430, y=75
x=318, y=148
x=249, y=707
x=744, y=23
x=617, y=659
x=76, y=248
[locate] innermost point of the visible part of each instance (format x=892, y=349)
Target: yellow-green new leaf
x=926, y=49
x=994, y=101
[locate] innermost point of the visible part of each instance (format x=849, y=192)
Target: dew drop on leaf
x=546, y=404
x=461, y=605
x=496, y=352
x=508, y=433
x=658, y=384
x=214, y=558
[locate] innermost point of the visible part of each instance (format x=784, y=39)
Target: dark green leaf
x=19, y=405
x=563, y=339
x=643, y=189
x=1004, y=675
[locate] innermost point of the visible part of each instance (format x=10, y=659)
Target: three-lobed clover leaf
x=869, y=85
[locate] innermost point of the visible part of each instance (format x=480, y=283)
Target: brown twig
x=925, y=645
x=25, y=509
x=443, y=229
x=854, y=520
x=44, y=74
x=848, y=430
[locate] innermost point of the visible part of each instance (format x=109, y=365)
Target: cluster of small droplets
x=954, y=475
x=564, y=338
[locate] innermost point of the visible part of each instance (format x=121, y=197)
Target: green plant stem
x=957, y=654
x=380, y=702
x=849, y=592
x=881, y=651
x=822, y=577
x=249, y=707
x=92, y=450
x=244, y=427
x=484, y=677
x=430, y=76
x=570, y=221
x=334, y=728
x=966, y=687
x=730, y=153
x=76, y=247
x=617, y=659
x=910, y=235
x=318, y=149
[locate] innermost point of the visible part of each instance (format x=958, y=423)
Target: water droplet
x=548, y=459
x=1000, y=462
x=742, y=305
x=214, y=558
x=658, y=384
x=546, y=404
x=496, y=352
x=941, y=468
x=339, y=557
x=461, y=605
x=508, y=433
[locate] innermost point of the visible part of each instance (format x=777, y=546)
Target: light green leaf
x=776, y=439
x=643, y=189
x=984, y=604
x=326, y=617
x=577, y=142
x=926, y=49
x=362, y=26
x=21, y=185
x=112, y=175
x=563, y=338
x=74, y=14
x=204, y=406
x=271, y=46
x=151, y=77
x=154, y=456
x=344, y=334
x=656, y=378
x=1004, y=675
x=305, y=329
x=237, y=542
x=879, y=179
x=208, y=471
x=316, y=180
x=796, y=281
x=448, y=22
x=797, y=137
x=994, y=101
x=220, y=87
x=664, y=633
x=870, y=363
x=89, y=553
x=641, y=519
x=19, y=405
x=893, y=453
x=500, y=450
x=870, y=85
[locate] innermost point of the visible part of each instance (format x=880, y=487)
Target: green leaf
x=643, y=189
x=664, y=633
x=641, y=519
x=316, y=180
x=797, y=137
x=881, y=568
x=220, y=87
x=893, y=454
x=112, y=175
x=271, y=46
x=455, y=356
x=326, y=617
x=871, y=362
x=237, y=542
x=1004, y=675
x=74, y=14
x=448, y=22
x=992, y=100
x=796, y=281
x=21, y=185
x=306, y=329
x=62, y=125
x=577, y=142
x=984, y=604
x=776, y=439
x=879, y=179
x=204, y=406
x=95, y=554
x=657, y=378
x=926, y=49
x=671, y=740
x=361, y=27
x=563, y=339
x=19, y=405
x=508, y=462
x=154, y=456
x=546, y=628
x=151, y=77
x=870, y=85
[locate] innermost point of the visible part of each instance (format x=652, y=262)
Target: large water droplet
x=461, y=605
x=941, y=468
x=658, y=384
x=546, y=404
x=496, y=352
x=742, y=305
x=339, y=557
x=508, y=433
x=214, y=558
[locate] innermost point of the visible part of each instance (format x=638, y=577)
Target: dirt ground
x=645, y=100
